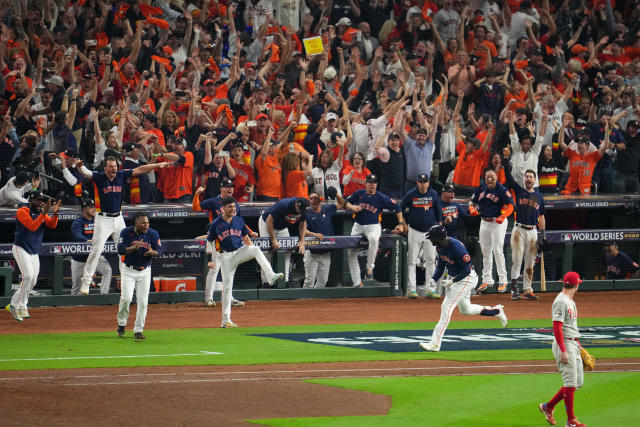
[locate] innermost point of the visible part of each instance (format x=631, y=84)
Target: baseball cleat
x=412, y=295
x=483, y=287
x=229, y=324
x=14, y=312
x=368, y=275
x=237, y=303
x=502, y=288
x=432, y=295
x=548, y=413
x=428, y=346
x=530, y=296
x=24, y=313
x=515, y=295
x=139, y=336
x=575, y=423
x=120, y=331
x=358, y=285
x=275, y=278
x=210, y=303
x=501, y=315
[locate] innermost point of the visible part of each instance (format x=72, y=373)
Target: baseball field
x=336, y=362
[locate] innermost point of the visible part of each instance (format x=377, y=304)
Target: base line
x=202, y=353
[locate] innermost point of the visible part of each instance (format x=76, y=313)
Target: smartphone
x=291, y=148
x=408, y=108
x=224, y=154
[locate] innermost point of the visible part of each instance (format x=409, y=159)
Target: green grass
x=607, y=399
x=189, y=346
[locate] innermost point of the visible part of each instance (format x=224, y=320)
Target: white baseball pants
x=572, y=372
x=229, y=262
x=418, y=242
x=104, y=227
x=140, y=281
x=211, y=285
x=458, y=295
x=262, y=230
x=77, y=268
x=524, y=243
x=372, y=232
x=492, y=245
x=30, y=268
x=316, y=269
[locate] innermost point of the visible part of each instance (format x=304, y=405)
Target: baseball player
x=422, y=205
x=214, y=206
x=138, y=245
x=274, y=222
x=453, y=256
x=620, y=265
x=368, y=205
x=232, y=234
x=452, y=212
x=524, y=236
x=26, y=247
x=492, y=202
x=108, y=186
x=566, y=350
x=319, y=222
x=82, y=231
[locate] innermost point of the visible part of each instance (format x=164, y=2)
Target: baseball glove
x=588, y=361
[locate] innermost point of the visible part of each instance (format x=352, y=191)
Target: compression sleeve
x=25, y=219
x=506, y=210
x=51, y=221
x=437, y=274
x=557, y=333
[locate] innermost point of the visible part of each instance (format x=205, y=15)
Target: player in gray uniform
x=566, y=349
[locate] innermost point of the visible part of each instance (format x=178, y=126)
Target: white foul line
x=202, y=353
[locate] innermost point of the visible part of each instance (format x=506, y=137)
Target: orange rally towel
x=158, y=22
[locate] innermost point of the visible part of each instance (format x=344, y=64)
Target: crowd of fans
x=227, y=90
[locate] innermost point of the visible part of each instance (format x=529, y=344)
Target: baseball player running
x=319, y=222
x=26, y=247
x=524, y=237
x=492, y=202
x=423, y=207
x=108, y=186
x=453, y=256
x=566, y=350
x=138, y=245
x=214, y=206
x=236, y=248
x=274, y=222
x=368, y=205
x=82, y=231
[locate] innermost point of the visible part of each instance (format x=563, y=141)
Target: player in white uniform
x=236, y=248
x=493, y=203
x=566, y=350
x=108, y=185
x=137, y=245
x=453, y=256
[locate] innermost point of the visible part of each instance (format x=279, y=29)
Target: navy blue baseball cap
x=372, y=178
x=423, y=177
x=436, y=232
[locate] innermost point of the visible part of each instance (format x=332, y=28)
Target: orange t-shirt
x=269, y=174
x=580, y=171
x=182, y=178
x=221, y=91
x=296, y=185
x=520, y=97
x=284, y=149
x=357, y=181
x=469, y=166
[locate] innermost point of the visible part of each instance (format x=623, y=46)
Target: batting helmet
x=436, y=232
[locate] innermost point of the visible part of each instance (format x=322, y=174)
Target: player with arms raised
x=453, y=256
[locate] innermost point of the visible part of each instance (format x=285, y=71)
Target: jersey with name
x=148, y=240
x=108, y=193
x=229, y=234
x=372, y=206
x=491, y=200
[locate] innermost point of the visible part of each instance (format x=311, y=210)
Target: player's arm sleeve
x=206, y=205
x=476, y=194
x=557, y=333
x=195, y=204
x=156, y=244
x=68, y=176
x=464, y=272
x=25, y=219
x=245, y=230
x=439, y=271
x=76, y=232
x=86, y=172
x=122, y=243
x=390, y=204
x=51, y=221
x=405, y=202
x=211, y=235
x=438, y=209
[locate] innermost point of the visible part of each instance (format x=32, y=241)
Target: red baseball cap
x=572, y=278
x=167, y=49
x=208, y=81
x=262, y=116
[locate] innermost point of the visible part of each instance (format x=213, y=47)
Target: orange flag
x=158, y=22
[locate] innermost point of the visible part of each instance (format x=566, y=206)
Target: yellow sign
x=313, y=45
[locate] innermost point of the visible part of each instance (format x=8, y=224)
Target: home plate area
x=467, y=339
